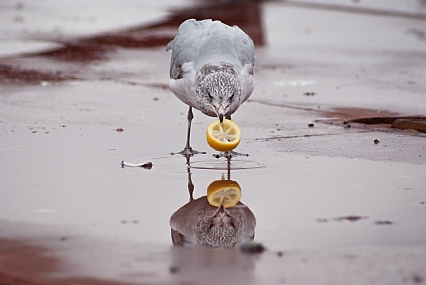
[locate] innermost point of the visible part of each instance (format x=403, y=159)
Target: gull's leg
x=188, y=134
x=190, y=184
x=188, y=151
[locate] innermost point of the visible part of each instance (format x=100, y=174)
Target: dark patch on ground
x=369, y=119
x=349, y=114
x=25, y=264
x=246, y=15
x=351, y=218
x=417, y=123
x=13, y=74
x=80, y=51
x=365, y=118
x=386, y=222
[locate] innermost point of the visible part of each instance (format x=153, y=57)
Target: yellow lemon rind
x=228, y=191
x=220, y=142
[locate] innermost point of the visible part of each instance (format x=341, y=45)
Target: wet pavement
x=336, y=199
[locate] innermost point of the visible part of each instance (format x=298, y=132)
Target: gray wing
x=207, y=40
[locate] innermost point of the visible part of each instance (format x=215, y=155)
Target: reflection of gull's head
x=222, y=229
x=198, y=222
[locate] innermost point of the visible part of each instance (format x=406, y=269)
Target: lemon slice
x=223, y=136
x=224, y=192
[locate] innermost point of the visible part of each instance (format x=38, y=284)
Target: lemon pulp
x=223, y=192
x=223, y=136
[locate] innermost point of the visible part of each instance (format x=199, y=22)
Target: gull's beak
x=221, y=212
x=221, y=114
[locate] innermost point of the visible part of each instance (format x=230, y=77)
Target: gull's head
x=218, y=89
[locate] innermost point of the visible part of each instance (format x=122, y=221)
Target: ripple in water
x=223, y=164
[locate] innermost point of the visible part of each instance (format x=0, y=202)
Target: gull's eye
x=210, y=96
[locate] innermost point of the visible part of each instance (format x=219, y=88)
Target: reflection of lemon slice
x=223, y=136
x=223, y=192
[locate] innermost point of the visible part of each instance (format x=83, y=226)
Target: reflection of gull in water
x=205, y=221
x=211, y=69
x=198, y=222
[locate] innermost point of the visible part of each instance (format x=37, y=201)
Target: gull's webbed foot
x=229, y=154
x=188, y=152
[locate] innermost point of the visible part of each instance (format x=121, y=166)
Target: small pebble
x=376, y=141
x=309, y=93
x=383, y=223
x=311, y=125
x=417, y=279
x=174, y=269
x=348, y=126
x=252, y=247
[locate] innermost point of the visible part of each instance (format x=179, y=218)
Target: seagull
x=211, y=69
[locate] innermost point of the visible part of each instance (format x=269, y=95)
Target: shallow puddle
x=298, y=200
x=78, y=192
